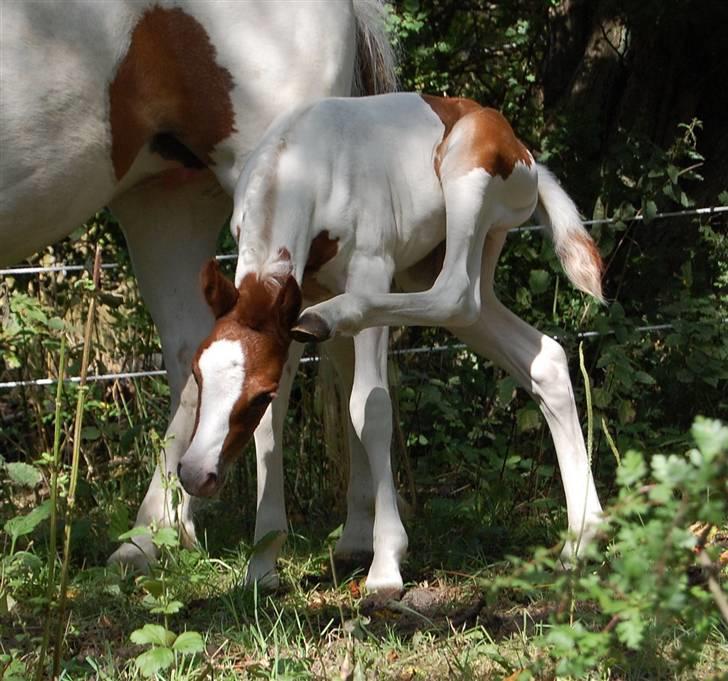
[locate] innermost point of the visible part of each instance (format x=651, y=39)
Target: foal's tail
x=576, y=249
x=374, y=69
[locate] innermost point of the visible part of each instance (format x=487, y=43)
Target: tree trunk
x=645, y=68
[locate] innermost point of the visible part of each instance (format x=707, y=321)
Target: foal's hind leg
x=539, y=365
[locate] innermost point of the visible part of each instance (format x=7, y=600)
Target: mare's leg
x=538, y=363
x=371, y=415
x=171, y=232
x=271, y=514
x=356, y=542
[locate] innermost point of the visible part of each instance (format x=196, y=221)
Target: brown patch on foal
x=259, y=315
x=492, y=146
x=261, y=320
x=450, y=109
x=323, y=248
x=169, y=82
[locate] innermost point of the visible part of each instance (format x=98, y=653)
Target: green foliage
x=21, y=525
x=486, y=51
x=163, y=646
x=23, y=474
x=625, y=612
x=478, y=454
x=168, y=578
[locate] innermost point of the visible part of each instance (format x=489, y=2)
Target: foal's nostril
x=179, y=469
x=210, y=485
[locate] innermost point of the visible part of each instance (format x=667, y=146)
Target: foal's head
x=237, y=369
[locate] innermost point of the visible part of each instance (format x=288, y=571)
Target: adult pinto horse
x=152, y=109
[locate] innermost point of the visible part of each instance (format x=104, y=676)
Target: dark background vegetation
x=626, y=102
x=622, y=100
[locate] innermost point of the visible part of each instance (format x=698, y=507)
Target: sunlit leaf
x=25, y=524
x=154, y=660
x=23, y=474
x=189, y=643
x=153, y=634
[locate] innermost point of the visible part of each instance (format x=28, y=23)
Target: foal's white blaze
x=222, y=370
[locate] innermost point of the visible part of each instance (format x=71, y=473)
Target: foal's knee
x=457, y=301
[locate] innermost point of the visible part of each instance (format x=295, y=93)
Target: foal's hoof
x=349, y=563
x=310, y=328
x=265, y=583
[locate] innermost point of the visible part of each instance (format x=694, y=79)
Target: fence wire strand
x=710, y=210
x=130, y=375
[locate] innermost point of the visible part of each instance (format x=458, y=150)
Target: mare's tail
x=374, y=71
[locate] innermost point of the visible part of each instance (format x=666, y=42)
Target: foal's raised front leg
x=538, y=363
x=453, y=300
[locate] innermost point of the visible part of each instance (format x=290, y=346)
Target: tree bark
x=643, y=68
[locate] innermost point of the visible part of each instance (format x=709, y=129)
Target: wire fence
x=131, y=375
x=708, y=211
x=128, y=375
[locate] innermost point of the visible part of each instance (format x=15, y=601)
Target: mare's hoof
x=137, y=557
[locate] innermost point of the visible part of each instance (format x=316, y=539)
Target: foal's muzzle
x=197, y=480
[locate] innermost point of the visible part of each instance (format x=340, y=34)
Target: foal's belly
x=421, y=234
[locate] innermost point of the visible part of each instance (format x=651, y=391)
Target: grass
x=492, y=492
x=447, y=625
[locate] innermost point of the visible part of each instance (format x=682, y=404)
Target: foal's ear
x=288, y=303
x=220, y=293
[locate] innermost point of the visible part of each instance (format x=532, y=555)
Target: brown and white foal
x=340, y=199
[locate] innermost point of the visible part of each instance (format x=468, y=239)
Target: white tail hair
x=574, y=246
x=374, y=68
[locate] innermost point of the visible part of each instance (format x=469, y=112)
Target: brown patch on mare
x=323, y=248
x=493, y=144
x=169, y=82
